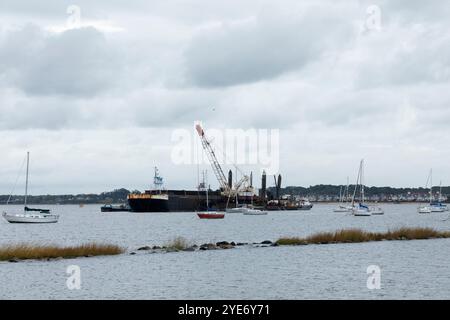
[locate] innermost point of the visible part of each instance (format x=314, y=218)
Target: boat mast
x=347, y=190
x=207, y=187
x=431, y=186
x=26, y=181
x=356, y=186
x=362, y=180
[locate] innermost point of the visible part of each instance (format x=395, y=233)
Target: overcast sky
x=96, y=101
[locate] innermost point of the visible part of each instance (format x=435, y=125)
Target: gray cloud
x=337, y=94
x=77, y=62
x=263, y=47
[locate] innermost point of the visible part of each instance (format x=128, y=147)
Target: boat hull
x=31, y=218
x=210, y=215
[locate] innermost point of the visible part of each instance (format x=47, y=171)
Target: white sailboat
x=252, y=211
x=343, y=206
x=438, y=206
x=424, y=209
x=362, y=210
x=30, y=215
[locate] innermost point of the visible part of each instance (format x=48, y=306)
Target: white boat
x=235, y=210
x=342, y=209
x=424, y=209
x=362, y=210
x=30, y=215
x=376, y=211
x=343, y=206
x=254, y=212
x=438, y=206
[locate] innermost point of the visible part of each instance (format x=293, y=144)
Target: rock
x=195, y=246
x=275, y=244
x=233, y=244
x=132, y=253
x=226, y=246
x=208, y=246
x=190, y=249
x=222, y=243
x=13, y=260
x=241, y=244
x=266, y=242
x=144, y=248
x=156, y=248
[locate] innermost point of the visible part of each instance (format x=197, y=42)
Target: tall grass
x=31, y=251
x=179, y=243
x=357, y=235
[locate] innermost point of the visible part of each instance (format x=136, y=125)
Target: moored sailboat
x=343, y=205
x=424, y=209
x=30, y=215
x=209, y=213
x=362, y=210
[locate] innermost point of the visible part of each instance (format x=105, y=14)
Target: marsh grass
x=357, y=235
x=179, y=243
x=31, y=251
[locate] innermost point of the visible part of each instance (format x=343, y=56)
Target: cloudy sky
x=96, y=100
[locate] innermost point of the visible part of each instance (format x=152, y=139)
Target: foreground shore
x=15, y=253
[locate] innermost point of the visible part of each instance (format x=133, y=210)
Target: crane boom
x=217, y=169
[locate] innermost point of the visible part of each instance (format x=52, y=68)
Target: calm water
x=409, y=269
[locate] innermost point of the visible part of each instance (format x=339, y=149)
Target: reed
x=31, y=251
x=179, y=243
x=356, y=236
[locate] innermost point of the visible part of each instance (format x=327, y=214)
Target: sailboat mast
x=362, y=180
x=347, y=190
x=356, y=186
x=431, y=186
x=207, y=187
x=26, y=181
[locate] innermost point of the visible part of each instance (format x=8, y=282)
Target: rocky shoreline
x=221, y=245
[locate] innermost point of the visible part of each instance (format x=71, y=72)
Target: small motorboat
x=211, y=215
x=376, y=211
x=424, y=209
x=254, y=212
x=114, y=208
x=237, y=209
x=342, y=209
x=438, y=207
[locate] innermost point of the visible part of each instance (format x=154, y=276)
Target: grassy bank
x=31, y=251
x=357, y=235
x=179, y=243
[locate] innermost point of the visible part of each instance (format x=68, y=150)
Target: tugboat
x=115, y=208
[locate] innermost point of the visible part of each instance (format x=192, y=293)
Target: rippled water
x=409, y=269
